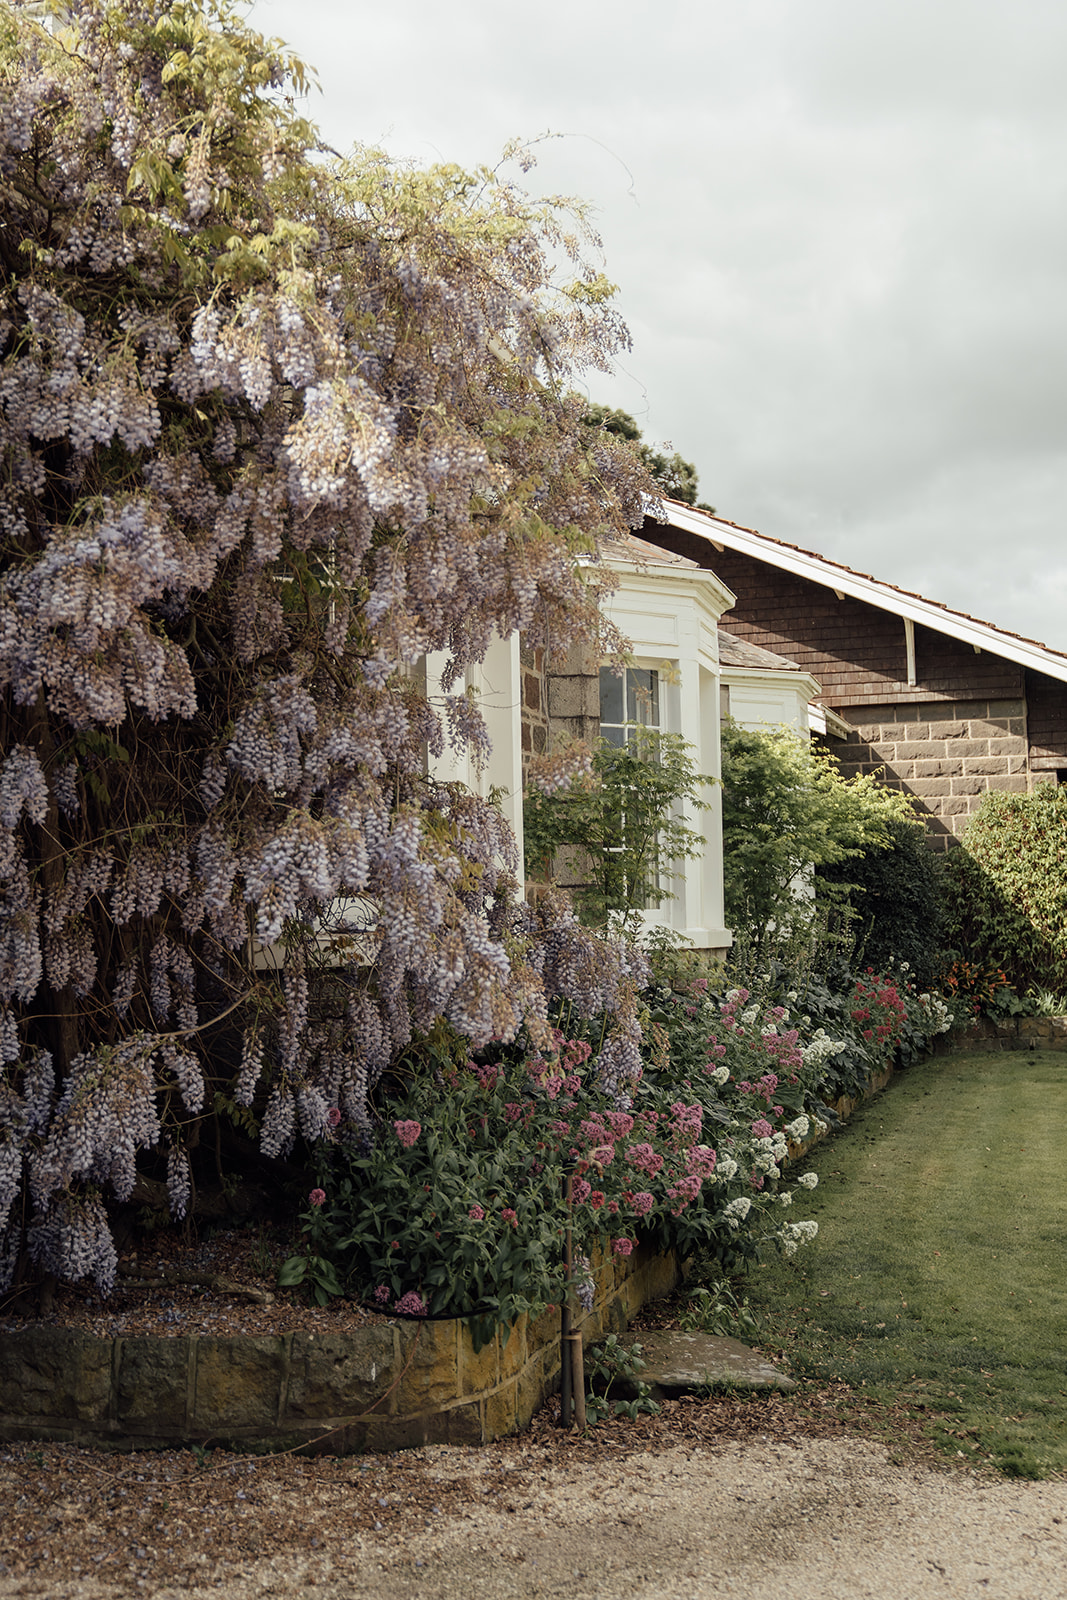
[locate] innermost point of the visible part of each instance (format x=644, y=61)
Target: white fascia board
x=803, y=683
x=982, y=635
x=710, y=591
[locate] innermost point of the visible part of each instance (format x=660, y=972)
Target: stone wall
x=384, y=1387
x=534, y=720
x=1006, y=1033
x=947, y=755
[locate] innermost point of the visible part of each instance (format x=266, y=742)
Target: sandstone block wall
x=947, y=755
x=384, y=1387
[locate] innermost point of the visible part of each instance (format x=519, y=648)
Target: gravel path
x=681, y=1513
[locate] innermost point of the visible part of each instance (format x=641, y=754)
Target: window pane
x=642, y=696
x=610, y=696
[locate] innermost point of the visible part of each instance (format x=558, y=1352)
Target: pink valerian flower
x=687, y=1119
x=577, y=1053
x=476, y=1213
x=594, y=1129
x=620, y=1123
x=333, y=1116
x=603, y=1155
x=622, y=1247
x=644, y=1158
x=596, y=1199
x=683, y=1192
x=381, y=1294
x=572, y=1083
x=487, y=1076
x=642, y=1202
x=700, y=1160
x=508, y=1215
x=551, y=1085
x=762, y=1128
x=411, y=1305
x=560, y=1127
x=407, y=1132
x=512, y=1111
x=317, y=1197
x=580, y=1191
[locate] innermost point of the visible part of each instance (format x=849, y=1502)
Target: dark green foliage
x=896, y=903
x=675, y=478
x=1005, y=892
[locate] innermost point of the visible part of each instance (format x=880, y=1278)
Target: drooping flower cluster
x=273, y=430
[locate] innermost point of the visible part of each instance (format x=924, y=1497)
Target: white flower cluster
x=819, y=1046
x=939, y=1014
x=794, y=1234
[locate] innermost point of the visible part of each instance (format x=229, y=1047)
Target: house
x=687, y=673
x=763, y=690
x=948, y=706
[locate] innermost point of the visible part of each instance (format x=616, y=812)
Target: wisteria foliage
x=273, y=426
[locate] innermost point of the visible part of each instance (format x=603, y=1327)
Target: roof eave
x=980, y=635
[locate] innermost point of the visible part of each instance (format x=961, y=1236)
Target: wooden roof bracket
x=909, y=646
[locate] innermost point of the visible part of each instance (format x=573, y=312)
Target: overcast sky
x=839, y=228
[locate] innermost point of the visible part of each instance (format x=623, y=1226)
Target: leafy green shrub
x=894, y=897
x=612, y=1365
x=457, y=1207
x=1005, y=891
x=786, y=810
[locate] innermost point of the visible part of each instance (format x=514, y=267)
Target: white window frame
x=671, y=615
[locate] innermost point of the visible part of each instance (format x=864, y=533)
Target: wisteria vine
x=273, y=427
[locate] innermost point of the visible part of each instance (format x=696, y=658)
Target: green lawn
x=939, y=1277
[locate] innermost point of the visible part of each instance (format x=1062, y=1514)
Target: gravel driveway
x=721, y=1497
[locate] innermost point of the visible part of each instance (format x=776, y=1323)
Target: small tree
x=673, y=477
x=894, y=899
x=620, y=826
x=787, y=810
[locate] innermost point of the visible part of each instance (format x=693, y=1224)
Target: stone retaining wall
x=383, y=1387
x=1007, y=1033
